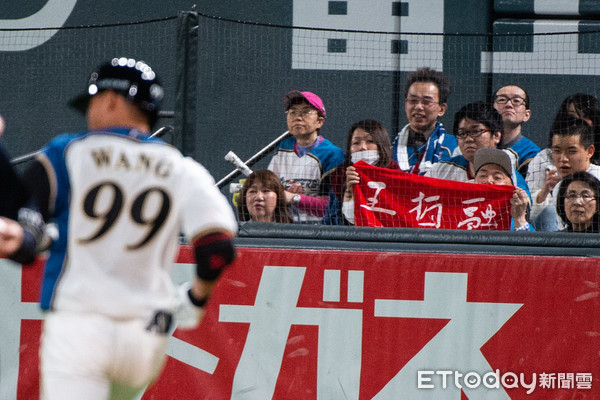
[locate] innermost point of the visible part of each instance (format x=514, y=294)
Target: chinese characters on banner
x=389, y=198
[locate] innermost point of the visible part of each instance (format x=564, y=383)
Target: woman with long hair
x=369, y=141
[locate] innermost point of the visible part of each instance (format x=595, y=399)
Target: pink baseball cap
x=310, y=97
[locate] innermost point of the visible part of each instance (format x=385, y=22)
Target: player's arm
x=214, y=252
x=21, y=240
x=210, y=226
x=13, y=191
x=38, y=184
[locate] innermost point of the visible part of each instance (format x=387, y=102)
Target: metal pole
x=26, y=157
x=254, y=159
x=161, y=131
x=239, y=164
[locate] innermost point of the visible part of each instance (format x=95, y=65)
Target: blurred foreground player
x=119, y=200
x=13, y=193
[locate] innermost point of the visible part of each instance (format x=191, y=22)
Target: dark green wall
x=246, y=69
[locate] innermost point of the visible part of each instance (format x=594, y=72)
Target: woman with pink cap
x=304, y=161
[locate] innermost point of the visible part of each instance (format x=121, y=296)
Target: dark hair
x=587, y=106
x=484, y=113
x=427, y=74
x=272, y=182
x=526, y=98
x=594, y=184
x=380, y=136
x=573, y=127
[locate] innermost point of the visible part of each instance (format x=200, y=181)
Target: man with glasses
x=512, y=103
x=304, y=161
x=476, y=125
x=424, y=142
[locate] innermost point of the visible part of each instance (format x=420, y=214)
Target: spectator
x=494, y=167
x=578, y=105
x=476, y=125
x=587, y=108
x=262, y=199
x=572, y=151
x=578, y=202
x=367, y=140
x=512, y=103
x=304, y=161
x=424, y=141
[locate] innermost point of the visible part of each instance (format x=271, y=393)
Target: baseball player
x=13, y=193
x=120, y=200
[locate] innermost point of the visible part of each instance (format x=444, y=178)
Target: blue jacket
x=439, y=147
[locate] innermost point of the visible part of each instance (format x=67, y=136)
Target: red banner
x=390, y=198
x=308, y=324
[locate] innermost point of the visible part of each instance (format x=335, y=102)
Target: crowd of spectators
x=311, y=180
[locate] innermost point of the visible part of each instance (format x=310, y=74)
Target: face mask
x=368, y=156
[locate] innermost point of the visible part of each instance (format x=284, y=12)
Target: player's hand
x=11, y=237
x=188, y=315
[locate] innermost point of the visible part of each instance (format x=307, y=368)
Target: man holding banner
x=493, y=167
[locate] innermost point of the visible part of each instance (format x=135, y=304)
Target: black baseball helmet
x=133, y=79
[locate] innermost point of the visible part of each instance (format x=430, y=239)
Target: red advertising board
x=308, y=324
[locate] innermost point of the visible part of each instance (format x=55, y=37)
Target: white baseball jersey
x=311, y=171
x=120, y=202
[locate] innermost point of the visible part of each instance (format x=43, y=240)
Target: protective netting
x=42, y=69
x=247, y=69
x=244, y=70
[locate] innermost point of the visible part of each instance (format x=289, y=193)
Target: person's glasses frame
x=462, y=134
x=427, y=103
x=586, y=197
x=302, y=113
x=504, y=99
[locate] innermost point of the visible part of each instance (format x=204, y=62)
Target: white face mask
x=368, y=156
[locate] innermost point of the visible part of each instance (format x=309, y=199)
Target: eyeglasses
x=515, y=100
x=585, y=196
x=413, y=101
x=302, y=113
x=462, y=134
